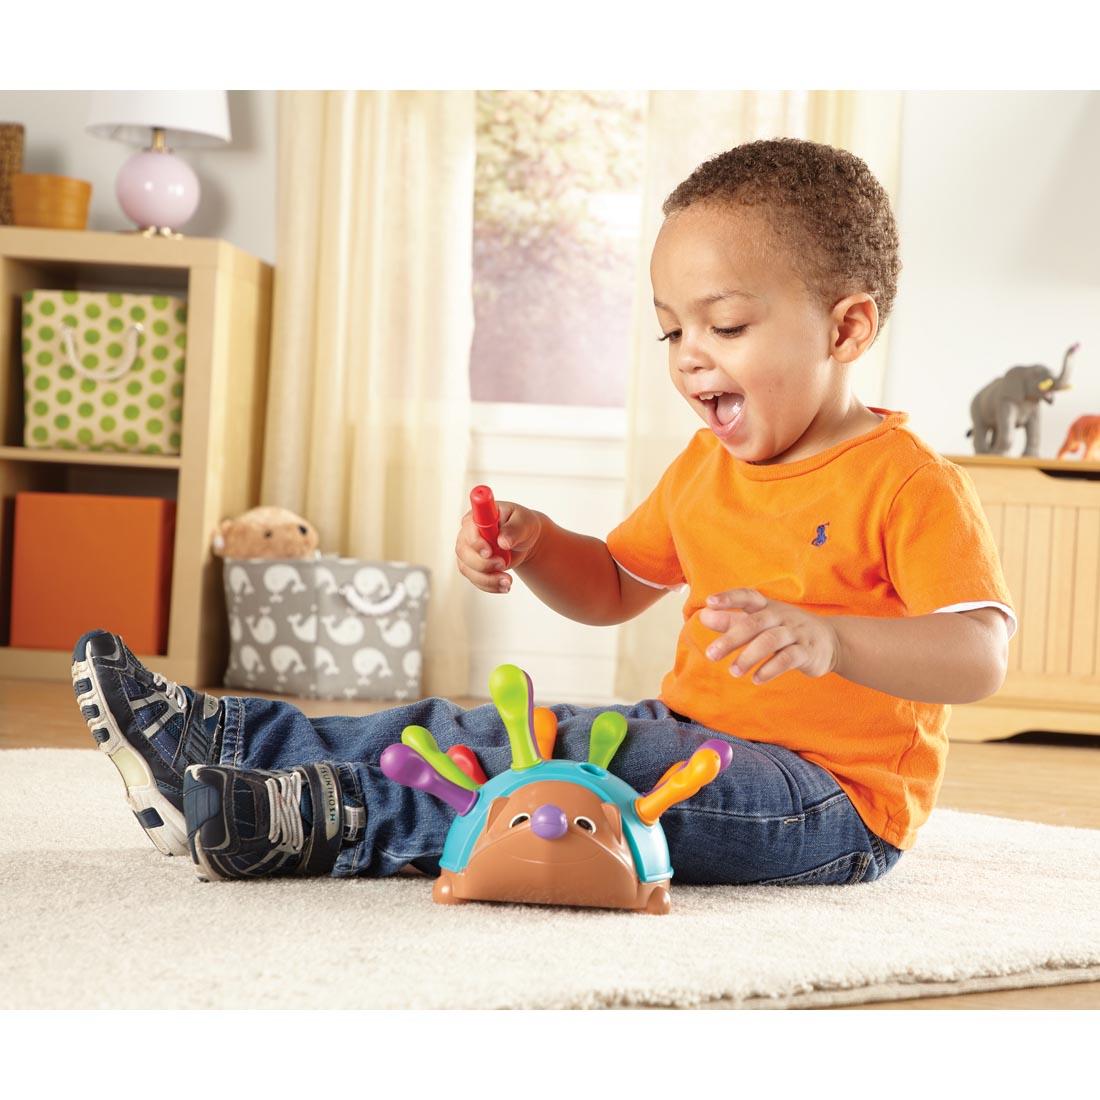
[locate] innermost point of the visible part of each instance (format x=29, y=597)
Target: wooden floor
x=1047, y=778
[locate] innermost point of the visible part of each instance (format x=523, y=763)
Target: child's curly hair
x=824, y=205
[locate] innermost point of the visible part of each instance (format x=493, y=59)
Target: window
x=557, y=224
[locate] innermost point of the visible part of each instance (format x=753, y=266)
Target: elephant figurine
x=1012, y=401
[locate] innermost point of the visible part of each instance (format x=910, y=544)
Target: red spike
x=464, y=757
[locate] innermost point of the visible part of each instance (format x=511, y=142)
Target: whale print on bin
x=326, y=627
x=555, y=832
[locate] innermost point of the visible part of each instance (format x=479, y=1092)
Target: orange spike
x=675, y=768
x=703, y=766
x=546, y=731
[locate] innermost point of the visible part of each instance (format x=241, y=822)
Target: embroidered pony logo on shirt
x=820, y=537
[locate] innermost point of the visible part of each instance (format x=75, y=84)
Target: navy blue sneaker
x=249, y=823
x=150, y=727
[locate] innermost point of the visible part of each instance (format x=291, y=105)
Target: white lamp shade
x=189, y=119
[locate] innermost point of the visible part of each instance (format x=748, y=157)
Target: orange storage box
x=83, y=561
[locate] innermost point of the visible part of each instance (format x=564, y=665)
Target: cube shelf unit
x=217, y=472
x=1045, y=516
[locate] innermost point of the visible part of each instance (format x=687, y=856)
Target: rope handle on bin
x=110, y=372
x=382, y=607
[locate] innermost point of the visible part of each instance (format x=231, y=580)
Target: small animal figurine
x=555, y=832
x=1012, y=401
x=1084, y=437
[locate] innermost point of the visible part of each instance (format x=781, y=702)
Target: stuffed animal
x=265, y=532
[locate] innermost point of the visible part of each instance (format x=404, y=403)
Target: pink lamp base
x=158, y=191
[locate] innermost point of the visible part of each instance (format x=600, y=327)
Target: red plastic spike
x=487, y=520
x=464, y=757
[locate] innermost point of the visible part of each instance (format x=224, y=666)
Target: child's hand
x=519, y=532
x=792, y=638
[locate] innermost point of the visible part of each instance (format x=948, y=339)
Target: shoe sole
x=162, y=822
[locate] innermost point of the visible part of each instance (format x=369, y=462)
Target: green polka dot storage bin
x=104, y=372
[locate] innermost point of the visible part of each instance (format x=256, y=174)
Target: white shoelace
x=172, y=690
x=284, y=794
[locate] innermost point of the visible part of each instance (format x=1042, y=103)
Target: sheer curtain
x=685, y=129
x=368, y=407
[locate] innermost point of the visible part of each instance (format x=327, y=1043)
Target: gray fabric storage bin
x=326, y=627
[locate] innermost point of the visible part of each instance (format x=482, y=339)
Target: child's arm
x=945, y=657
x=573, y=574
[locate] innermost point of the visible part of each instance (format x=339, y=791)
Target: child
x=842, y=588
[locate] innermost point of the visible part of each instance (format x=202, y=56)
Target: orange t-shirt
x=879, y=525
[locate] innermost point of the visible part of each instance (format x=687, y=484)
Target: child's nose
x=692, y=357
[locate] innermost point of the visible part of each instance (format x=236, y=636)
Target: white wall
x=572, y=467
x=1000, y=234
x=238, y=180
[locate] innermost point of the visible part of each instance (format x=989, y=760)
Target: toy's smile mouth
x=557, y=862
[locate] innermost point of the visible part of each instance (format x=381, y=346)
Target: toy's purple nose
x=549, y=822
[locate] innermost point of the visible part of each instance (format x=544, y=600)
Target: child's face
x=764, y=351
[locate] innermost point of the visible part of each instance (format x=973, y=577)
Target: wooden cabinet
x=217, y=472
x=1045, y=516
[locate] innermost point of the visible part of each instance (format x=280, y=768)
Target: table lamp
x=156, y=189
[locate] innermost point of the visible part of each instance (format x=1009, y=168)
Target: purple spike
x=410, y=769
x=724, y=750
x=531, y=718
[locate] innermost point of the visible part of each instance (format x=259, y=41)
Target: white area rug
x=92, y=916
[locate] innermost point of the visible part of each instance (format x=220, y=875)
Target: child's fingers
x=474, y=552
x=765, y=645
x=736, y=628
x=517, y=527
x=487, y=580
x=716, y=620
x=747, y=598
x=483, y=549
x=470, y=534
x=788, y=658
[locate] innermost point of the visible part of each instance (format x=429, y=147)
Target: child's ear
x=855, y=323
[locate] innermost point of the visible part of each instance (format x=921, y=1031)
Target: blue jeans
x=770, y=817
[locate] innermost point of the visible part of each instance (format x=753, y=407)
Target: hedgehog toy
x=554, y=832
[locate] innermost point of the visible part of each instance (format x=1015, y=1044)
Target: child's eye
x=675, y=334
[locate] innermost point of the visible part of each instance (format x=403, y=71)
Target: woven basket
x=11, y=162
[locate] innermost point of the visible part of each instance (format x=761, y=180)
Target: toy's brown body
x=584, y=866
x=545, y=831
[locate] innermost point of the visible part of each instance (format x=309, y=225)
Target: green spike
x=608, y=731
x=511, y=692
x=421, y=741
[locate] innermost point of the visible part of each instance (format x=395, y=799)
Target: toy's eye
x=519, y=819
x=585, y=823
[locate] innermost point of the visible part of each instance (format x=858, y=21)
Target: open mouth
x=723, y=409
